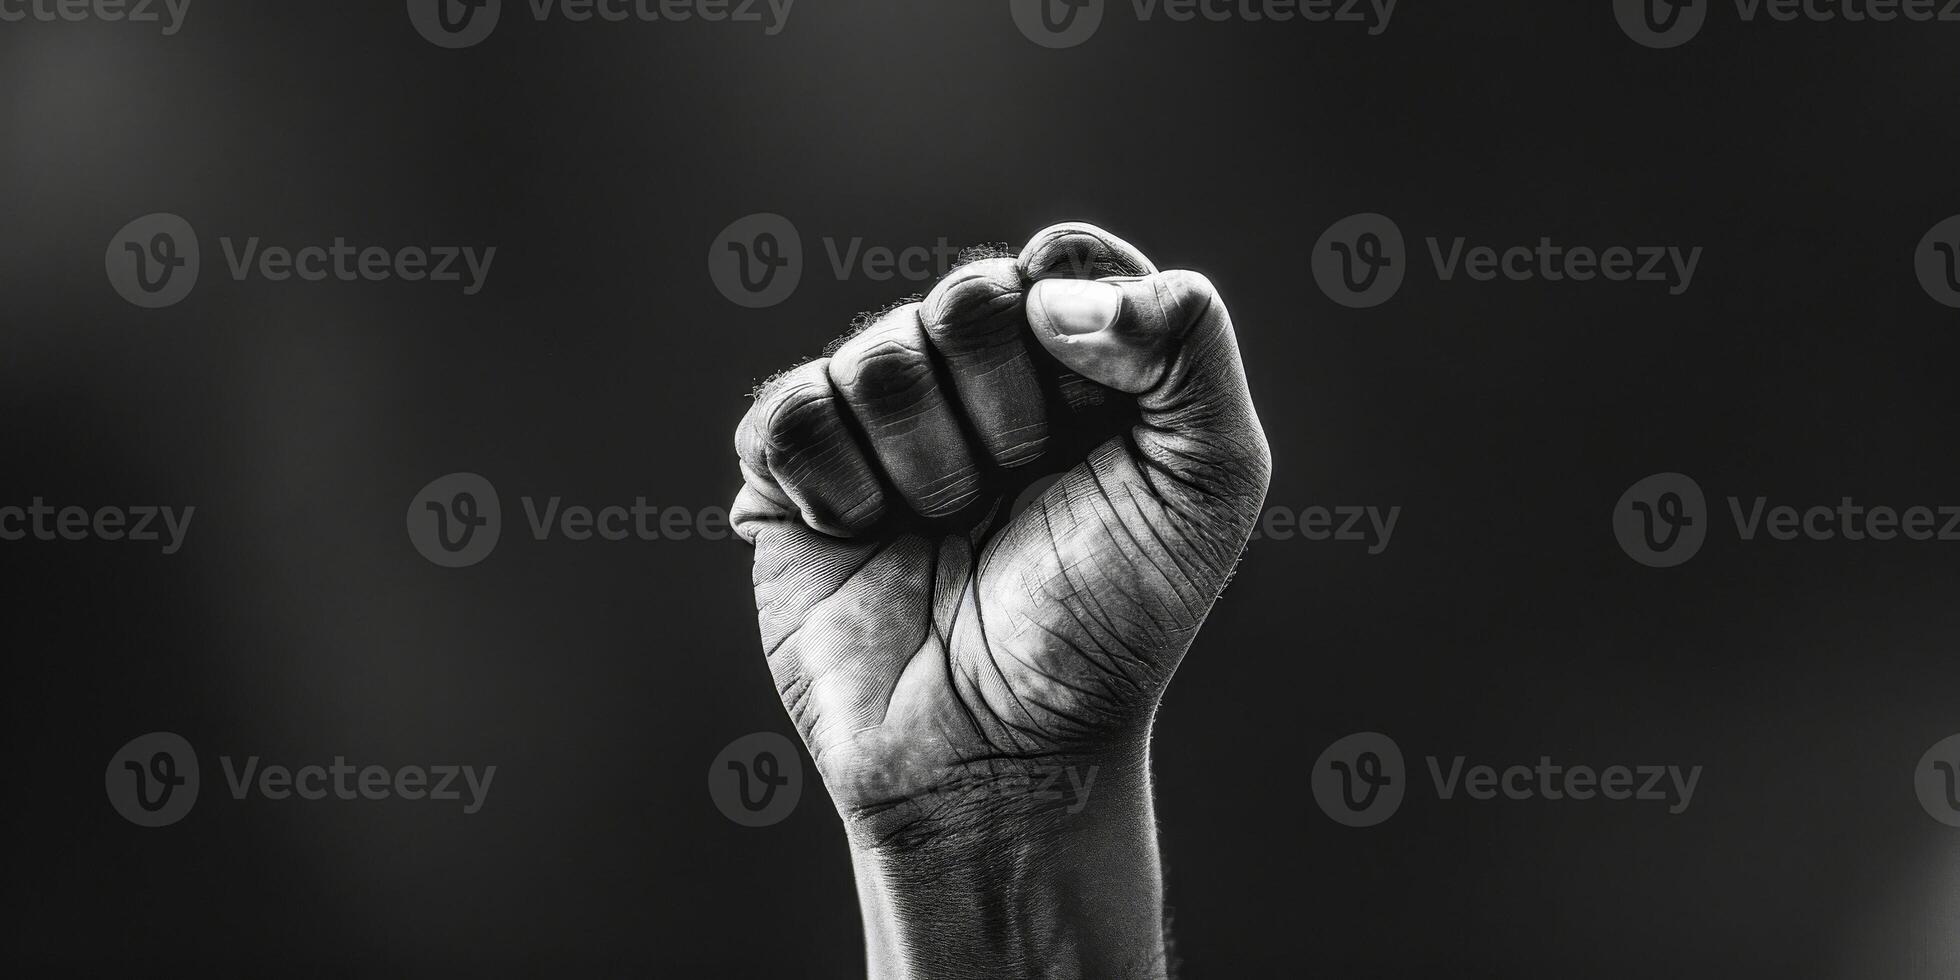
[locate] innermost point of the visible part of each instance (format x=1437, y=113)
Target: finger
x=976, y=324
x=885, y=377
x=1168, y=340
x=755, y=512
x=1079, y=250
x=798, y=453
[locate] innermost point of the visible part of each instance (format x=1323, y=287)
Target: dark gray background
x=600, y=364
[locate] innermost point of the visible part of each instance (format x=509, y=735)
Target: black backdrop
x=600, y=363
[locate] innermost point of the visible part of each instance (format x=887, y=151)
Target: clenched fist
x=942, y=649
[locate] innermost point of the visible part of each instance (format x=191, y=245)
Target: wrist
x=1037, y=868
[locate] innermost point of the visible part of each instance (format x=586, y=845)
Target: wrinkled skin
x=929, y=631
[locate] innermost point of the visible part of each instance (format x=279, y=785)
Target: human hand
x=938, y=649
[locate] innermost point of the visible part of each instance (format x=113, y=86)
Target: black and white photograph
x=982, y=490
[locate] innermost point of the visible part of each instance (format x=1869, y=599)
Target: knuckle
x=975, y=293
x=792, y=404
x=804, y=416
x=891, y=368
x=1179, y=298
x=748, y=441
x=749, y=452
x=1079, y=250
x=886, y=365
x=1188, y=286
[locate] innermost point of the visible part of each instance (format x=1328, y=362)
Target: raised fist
x=939, y=623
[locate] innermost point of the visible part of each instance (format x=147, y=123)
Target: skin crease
x=952, y=654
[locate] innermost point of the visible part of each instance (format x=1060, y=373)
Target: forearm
x=1035, y=887
x=949, y=632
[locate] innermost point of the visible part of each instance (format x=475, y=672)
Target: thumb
x=1167, y=339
